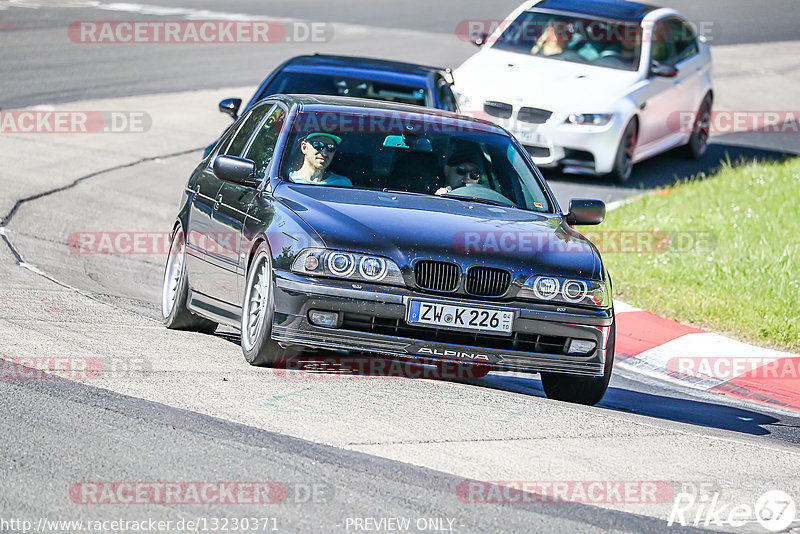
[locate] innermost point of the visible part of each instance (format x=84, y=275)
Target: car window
x=430, y=156
x=246, y=129
x=263, y=145
x=567, y=37
x=447, y=100
x=288, y=82
x=661, y=49
x=684, y=39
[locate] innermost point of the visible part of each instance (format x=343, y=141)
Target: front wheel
x=623, y=162
x=257, y=313
x=175, y=291
x=698, y=141
x=578, y=389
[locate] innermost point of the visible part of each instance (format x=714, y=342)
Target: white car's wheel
x=623, y=163
x=698, y=141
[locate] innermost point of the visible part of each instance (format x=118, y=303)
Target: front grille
x=487, y=281
x=534, y=115
x=498, y=109
x=399, y=328
x=437, y=275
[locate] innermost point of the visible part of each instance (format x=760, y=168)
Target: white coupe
x=592, y=86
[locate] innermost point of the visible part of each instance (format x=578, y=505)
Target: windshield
x=426, y=155
x=288, y=82
x=565, y=37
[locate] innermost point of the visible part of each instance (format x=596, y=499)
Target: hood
x=541, y=82
x=407, y=227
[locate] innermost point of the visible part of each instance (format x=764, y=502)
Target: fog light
x=580, y=346
x=324, y=318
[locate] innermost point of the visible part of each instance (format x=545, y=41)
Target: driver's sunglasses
x=463, y=171
x=320, y=146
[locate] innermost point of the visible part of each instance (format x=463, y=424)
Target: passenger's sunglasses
x=463, y=171
x=321, y=146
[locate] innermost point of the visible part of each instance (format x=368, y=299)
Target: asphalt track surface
x=377, y=447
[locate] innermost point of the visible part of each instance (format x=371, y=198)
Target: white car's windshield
x=567, y=37
x=423, y=155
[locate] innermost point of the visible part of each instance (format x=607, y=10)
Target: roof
x=366, y=63
x=606, y=9
x=346, y=104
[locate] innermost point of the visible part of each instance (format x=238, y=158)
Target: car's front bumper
x=372, y=319
x=573, y=147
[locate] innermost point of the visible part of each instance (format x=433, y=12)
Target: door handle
x=196, y=192
x=217, y=203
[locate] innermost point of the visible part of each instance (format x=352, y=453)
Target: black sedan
x=395, y=230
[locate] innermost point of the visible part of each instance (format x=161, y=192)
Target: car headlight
x=465, y=104
x=592, y=119
x=341, y=264
x=566, y=291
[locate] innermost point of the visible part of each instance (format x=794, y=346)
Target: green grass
x=747, y=284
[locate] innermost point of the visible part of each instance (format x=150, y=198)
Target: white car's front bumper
x=576, y=148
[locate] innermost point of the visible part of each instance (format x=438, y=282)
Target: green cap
x=319, y=134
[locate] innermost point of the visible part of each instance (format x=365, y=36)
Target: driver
x=553, y=41
x=319, y=149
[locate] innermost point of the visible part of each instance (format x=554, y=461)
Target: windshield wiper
x=387, y=190
x=482, y=201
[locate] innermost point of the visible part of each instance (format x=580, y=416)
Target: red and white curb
x=667, y=350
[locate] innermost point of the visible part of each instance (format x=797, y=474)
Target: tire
x=698, y=142
x=175, y=290
x=578, y=389
x=623, y=162
x=258, y=308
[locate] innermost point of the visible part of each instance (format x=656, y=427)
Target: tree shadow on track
x=723, y=416
x=671, y=408
x=670, y=168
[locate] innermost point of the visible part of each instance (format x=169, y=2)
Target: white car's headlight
x=350, y=265
x=466, y=104
x=593, y=119
x=566, y=291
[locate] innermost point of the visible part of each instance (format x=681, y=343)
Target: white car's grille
x=533, y=115
x=500, y=110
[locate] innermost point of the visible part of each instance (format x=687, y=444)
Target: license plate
x=465, y=317
x=529, y=137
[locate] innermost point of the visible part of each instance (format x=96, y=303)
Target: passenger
x=319, y=149
x=463, y=167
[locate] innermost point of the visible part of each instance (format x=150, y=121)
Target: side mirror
x=230, y=106
x=662, y=69
x=236, y=170
x=584, y=211
x=478, y=39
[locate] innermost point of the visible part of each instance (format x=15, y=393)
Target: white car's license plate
x=447, y=315
x=529, y=137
